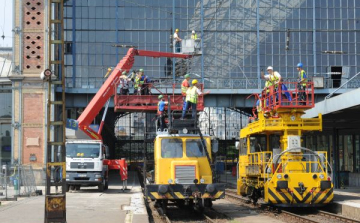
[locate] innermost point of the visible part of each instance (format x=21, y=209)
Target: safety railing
x=301, y=161
x=149, y=102
x=258, y=163
x=187, y=46
x=288, y=95
x=17, y=180
x=280, y=124
x=213, y=80
x=344, y=84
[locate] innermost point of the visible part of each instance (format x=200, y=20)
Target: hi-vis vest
x=274, y=79
x=191, y=95
x=303, y=77
x=183, y=88
x=268, y=84
x=194, y=36
x=137, y=81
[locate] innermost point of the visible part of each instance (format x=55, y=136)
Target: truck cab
x=84, y=164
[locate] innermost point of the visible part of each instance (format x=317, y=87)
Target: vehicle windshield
x=83, y=150
x=171, y=148
x=257, y=143
x=194, y=148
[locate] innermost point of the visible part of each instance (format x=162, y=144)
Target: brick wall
x=33, y=129
x=33, y=36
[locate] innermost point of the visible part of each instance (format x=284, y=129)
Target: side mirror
x=215, y=146
x=107, y=152
x=237, y=145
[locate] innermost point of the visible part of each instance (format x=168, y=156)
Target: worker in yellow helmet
x=192, y=95
x=177, y=41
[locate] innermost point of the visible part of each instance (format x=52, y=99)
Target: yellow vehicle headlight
x=176, y=180
x=321, y=176
x=279, y=176
x=202, y=180
x=170, y=181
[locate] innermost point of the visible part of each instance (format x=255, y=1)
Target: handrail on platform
x=331, y=94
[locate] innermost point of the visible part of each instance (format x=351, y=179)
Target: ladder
x=55, y=199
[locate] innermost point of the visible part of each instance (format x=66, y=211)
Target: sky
x=6, y=23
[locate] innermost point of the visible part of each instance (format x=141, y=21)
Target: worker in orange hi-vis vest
x=124, y=172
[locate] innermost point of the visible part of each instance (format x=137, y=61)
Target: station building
x=239, y=38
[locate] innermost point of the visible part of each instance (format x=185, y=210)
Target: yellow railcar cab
x=182, y=170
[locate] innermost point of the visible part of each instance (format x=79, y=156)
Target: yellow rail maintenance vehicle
x=272, y=163
x=183, y=172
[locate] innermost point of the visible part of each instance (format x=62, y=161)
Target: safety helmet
x=187, y=75
x=141, y=70
x=194, y=81
x=193, y=31
x=299, y=65
x=123, y=73
x=270, y=68
x=176, y=30
x=160, y=96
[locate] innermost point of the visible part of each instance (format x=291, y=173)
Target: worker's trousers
x=177, y=47
x=162, y=121
x=193, y=109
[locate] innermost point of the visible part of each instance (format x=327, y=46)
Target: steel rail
x=338, y=217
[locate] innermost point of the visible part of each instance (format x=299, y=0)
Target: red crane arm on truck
x=108, y=89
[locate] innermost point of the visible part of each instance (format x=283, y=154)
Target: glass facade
x=5, y=124
x=240, y=37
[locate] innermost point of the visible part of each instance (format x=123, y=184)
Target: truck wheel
x=77, y=187
x=101, y=187
x=67, y=188
x=106, y=185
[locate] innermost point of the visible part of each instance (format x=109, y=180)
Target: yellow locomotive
x=183, y=172
x=272, y=163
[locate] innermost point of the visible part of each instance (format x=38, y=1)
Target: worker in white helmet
x=193, y=35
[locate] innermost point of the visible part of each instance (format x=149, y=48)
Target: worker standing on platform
x=193, y=35
x=177, y=41
x=124, y=84
x=192, y=98
x=144, y=83
x=275, y=77
x=185, y=86
x=161, y=111
x=136, y=79
x=302, y=81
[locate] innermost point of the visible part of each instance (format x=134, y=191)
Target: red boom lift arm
x=108, y=89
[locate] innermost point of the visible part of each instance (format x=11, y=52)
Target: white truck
x=84, y=164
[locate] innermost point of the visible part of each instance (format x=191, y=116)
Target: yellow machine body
x=182, y=170
x=274, y=166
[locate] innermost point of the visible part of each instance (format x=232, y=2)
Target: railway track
x=301, y=215
x=176, y=214
x=339, y=217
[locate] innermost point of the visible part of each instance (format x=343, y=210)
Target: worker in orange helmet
x=185, y=85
